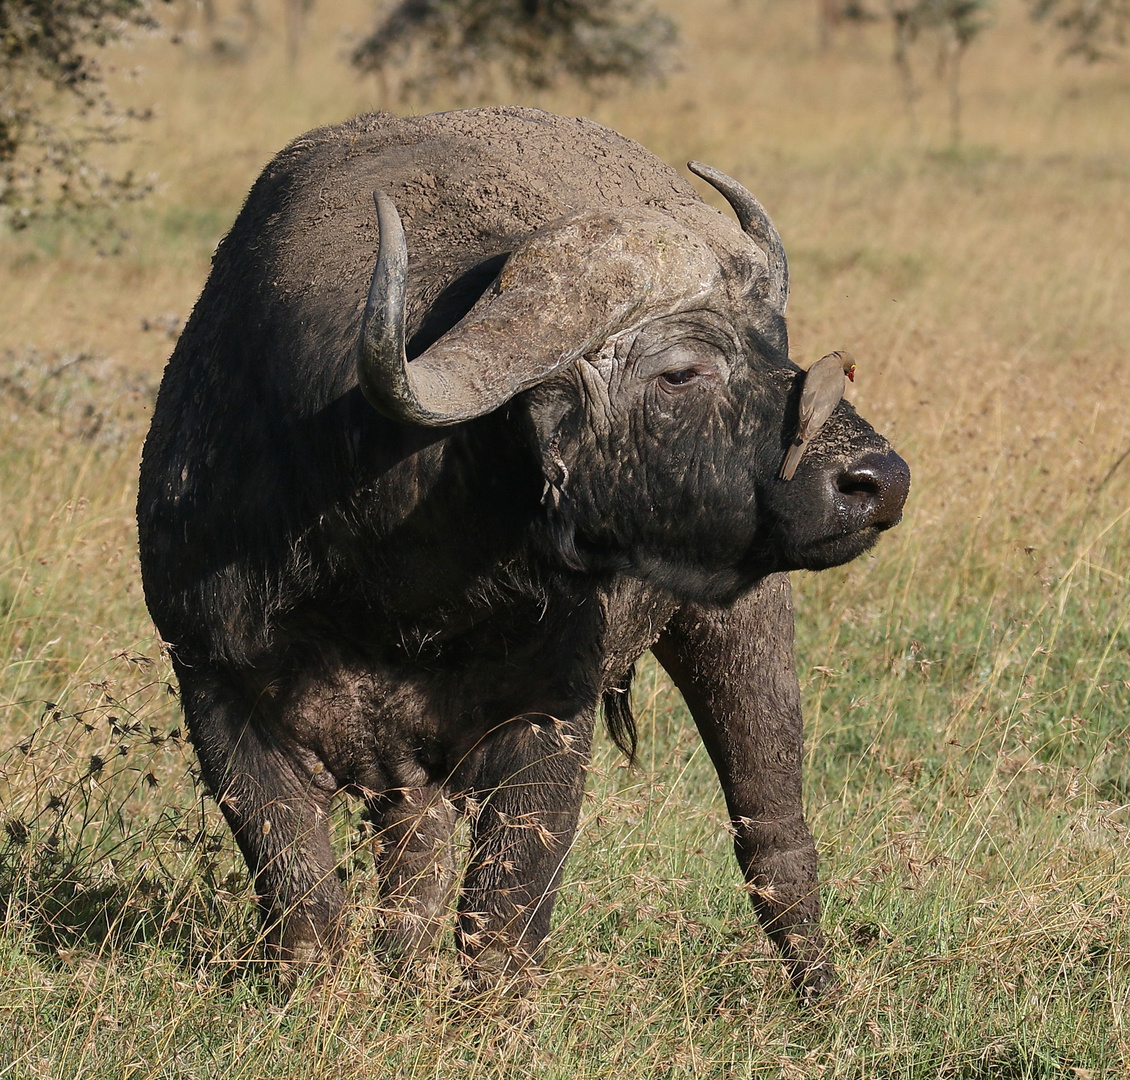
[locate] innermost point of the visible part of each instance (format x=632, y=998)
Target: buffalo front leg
x=736, y=671
x=524, y=800
x=276, y=798
x=412, y=842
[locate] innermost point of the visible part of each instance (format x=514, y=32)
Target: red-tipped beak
x=850, y=373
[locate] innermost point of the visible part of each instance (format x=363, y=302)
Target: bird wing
x=823, y=388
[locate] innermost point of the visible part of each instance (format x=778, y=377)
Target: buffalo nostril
x=859, y=483
x=877, y=485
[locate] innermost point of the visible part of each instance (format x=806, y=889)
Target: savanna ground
x=967, y=686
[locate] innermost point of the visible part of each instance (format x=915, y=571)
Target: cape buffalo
x=427, y=477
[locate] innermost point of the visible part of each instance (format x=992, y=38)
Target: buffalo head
x=648, y=351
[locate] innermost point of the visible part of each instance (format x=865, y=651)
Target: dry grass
x=967, y=687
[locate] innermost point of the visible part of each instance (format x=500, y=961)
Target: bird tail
x=792, y=460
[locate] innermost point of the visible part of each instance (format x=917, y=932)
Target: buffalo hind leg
x=276, y=800
x=523, y=804
x=412, y=843
x=736, y=671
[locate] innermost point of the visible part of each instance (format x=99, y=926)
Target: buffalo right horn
x=755, y=223
x=561, y=295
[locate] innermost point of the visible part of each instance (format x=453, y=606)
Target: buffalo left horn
x=562, y=294
x=755, y=223
x=382, y=366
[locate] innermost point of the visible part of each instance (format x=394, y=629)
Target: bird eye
x=679, y=378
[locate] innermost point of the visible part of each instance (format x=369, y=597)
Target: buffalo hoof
x=815, y=983
x=812, y=974
x=494, y=970
x=301, y=959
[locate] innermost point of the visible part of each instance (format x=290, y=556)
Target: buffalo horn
x=389, y=384
x=562, y=294
x=755, y=223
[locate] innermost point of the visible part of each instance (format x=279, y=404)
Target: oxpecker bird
x=823, y=388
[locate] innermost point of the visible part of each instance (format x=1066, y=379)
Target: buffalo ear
x=553, y=410
x=554, y=416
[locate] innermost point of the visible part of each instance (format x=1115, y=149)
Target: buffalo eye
x=676, y=366
x=679, y=378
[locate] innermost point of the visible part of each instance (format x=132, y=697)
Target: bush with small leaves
x=1095, y=29
x=532, y=43
x=54, y=107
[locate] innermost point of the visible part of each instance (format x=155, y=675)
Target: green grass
x=976, y=908
x=966, y=781
x=966, y=687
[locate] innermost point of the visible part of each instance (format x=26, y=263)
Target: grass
x=967, y=686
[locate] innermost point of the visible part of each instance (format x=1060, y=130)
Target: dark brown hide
x=428, y=617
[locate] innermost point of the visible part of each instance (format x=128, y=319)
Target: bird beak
x=850, y=373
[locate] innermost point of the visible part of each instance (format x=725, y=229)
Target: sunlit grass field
x=967, y=685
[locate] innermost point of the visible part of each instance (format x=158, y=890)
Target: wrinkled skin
x=689, y=409
x=429, y=618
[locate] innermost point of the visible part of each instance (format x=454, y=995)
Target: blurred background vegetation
x=952, y=182
x=55, y=105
